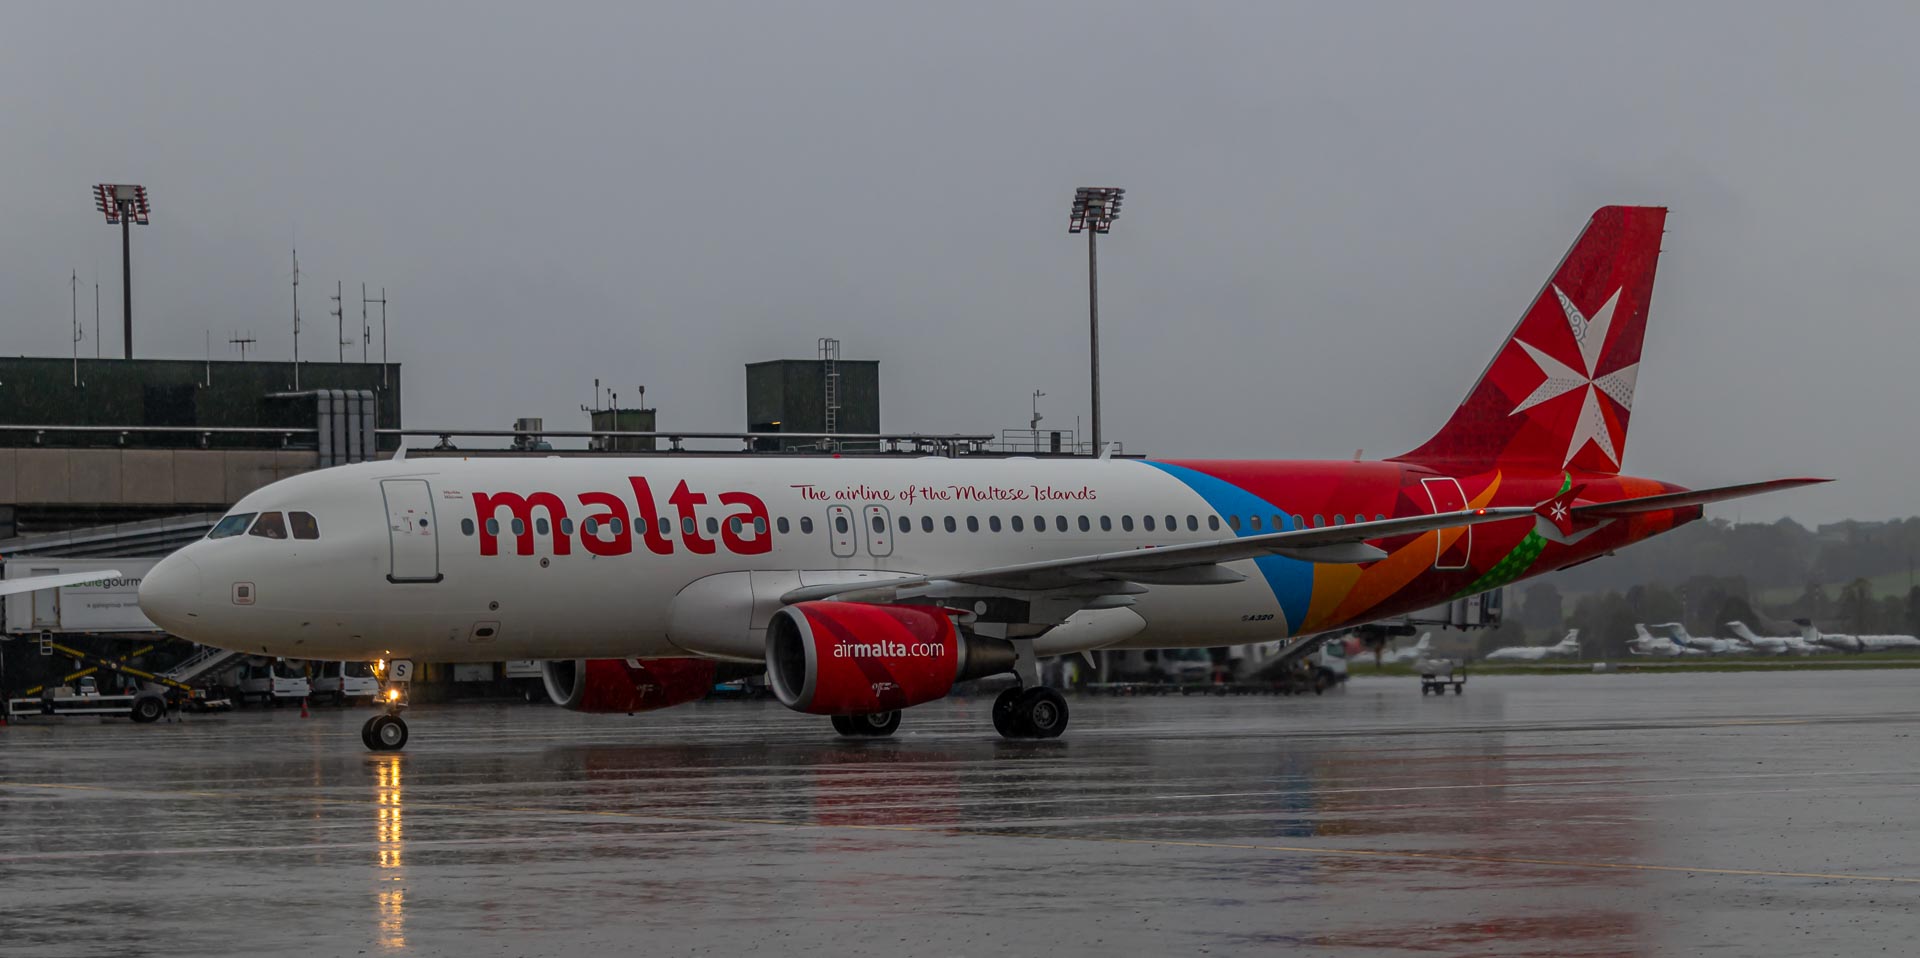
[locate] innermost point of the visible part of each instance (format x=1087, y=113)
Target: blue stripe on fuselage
x=1290, y=579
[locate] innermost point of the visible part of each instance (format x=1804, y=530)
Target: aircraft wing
x=36, y=583
x=1692, y=497
x=1193, y=563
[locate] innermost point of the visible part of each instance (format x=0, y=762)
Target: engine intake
x=626, y=685
x=856, y=658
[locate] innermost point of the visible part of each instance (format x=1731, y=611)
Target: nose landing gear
x=387, y=732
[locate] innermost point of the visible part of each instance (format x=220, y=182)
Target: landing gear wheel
x=844, y=725
x=1044, y=712
x=876, y=724
x=386, y=733
x=366, y=734
x=1006, y=714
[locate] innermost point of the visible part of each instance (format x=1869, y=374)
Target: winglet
x=1559, y=509
x=401, y=453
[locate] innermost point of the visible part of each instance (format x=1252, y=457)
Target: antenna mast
x=296, y=318
x=339, y=322
x=368, y=330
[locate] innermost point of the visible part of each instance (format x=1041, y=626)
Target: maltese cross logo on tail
x=1590, y=337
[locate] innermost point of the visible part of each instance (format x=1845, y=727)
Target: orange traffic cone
x=303, y=708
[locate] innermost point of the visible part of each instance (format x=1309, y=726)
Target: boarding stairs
x=208, y=659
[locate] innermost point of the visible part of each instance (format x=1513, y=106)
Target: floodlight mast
x=1094, y=210
x=124, y=204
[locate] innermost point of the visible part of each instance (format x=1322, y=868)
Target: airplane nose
x=170, y=594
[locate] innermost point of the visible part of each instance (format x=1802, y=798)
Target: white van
x=345, y=682
x=271, y=683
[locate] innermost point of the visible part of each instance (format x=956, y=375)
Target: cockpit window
x=304, y=526
x=232, y=525
x=270, y=525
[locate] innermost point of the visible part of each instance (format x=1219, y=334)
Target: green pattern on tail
x=1516, y=563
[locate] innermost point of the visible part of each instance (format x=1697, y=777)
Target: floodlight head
x=1094, y=207
x=116, y=200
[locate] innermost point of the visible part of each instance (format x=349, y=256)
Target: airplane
x=1857, y=643
x=866, y=585
x=1566, y=648
x=1774, y=644
x=1412, y=653
x=1646, y=643
x=1708, y=644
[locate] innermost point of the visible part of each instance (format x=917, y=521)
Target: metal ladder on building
x=830, y=366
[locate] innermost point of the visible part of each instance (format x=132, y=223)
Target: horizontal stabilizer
x=1692, y=497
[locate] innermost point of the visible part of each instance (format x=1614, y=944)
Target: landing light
x=393, y=695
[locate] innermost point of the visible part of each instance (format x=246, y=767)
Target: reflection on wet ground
x=1578, y=815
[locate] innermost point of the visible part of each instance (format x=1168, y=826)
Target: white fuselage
x=399, y=569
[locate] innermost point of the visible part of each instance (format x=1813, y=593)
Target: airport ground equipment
x=159, y=692
x=1438, y=675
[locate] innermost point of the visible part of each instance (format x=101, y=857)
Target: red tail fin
x=1559, y=392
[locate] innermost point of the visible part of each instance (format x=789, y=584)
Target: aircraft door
x=1454, y=544
x=840, y=530
x=412, y=535
x=879, y=534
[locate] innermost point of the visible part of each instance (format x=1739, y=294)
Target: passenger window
x=1213, y=522
x=1339, y=520
x=781, y=524
x=1126, y=523
x=973, y=523
x=1253, y=523
x=1106, y=523
x=735, y=526
x=1299, y=521
x=466, y=527
x=906, y=524
x=1146, y=522
x=232, y=525
x=616, y=525
x=713, y=526
x=520, y=527
x=839, y=524
x=1233, y=522
x=270, y=525
x=688, y=528
x=950, y=525
x=1018, y=523
x=759, y=525
x=1085, y=525
x=926, y=523
x=566, y=526
x=590, y=527
x=1193, y=523
x=806, y=525
x=1039, y=523
x=540, y=525
x=1319, y=521
x=1379, y=517
x=1173, y=523
x=879, y=524
x=304, y=526
x=1060, y=523
x=493, y=527
x=666, y=526
x=993, y=523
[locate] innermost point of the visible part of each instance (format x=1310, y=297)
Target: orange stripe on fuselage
x=1343, y=593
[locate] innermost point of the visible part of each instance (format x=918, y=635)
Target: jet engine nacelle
x=626, y=685
x=855, y=658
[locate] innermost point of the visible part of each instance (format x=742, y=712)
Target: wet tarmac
x=1741, y=813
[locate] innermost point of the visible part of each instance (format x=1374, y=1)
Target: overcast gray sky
x=1334, y=212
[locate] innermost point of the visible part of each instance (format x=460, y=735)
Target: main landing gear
x=871, y=725
x=1036, y=712
x=387, y=732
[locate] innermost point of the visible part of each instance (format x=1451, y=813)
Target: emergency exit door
x=412, y=532
x=1454, y=544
